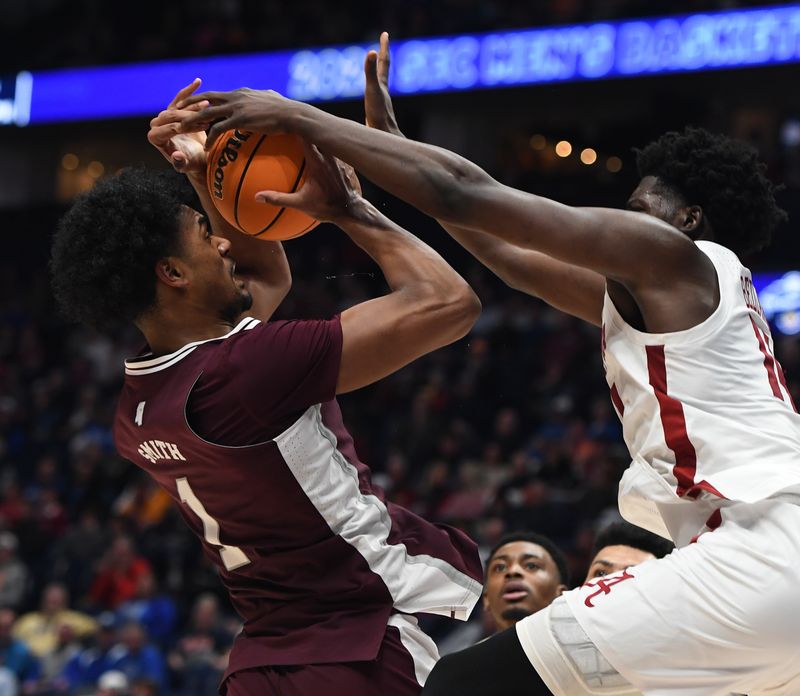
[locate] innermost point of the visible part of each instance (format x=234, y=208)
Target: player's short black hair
x=107, y=244
x=627, y=534
x=547, y=544
x=724, y=177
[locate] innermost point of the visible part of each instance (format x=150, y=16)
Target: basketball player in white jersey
x=707, y=416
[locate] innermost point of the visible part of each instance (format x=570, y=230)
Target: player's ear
x=691, y=219
x=561, y=589
x=170, y=272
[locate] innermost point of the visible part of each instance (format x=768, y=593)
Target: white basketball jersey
x=706, y=412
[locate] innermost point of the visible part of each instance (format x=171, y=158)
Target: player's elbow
x=452, y=314
x=467, y=308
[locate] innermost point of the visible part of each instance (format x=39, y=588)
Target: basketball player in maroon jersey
x=236, y=418
x=707, y=415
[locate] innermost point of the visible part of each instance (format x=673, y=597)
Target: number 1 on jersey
x=232, y=556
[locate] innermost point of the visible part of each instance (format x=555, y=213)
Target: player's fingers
x=281, y=200
x=185, y=92
x=213, y=97
x=312, y=153
x=178, y=160
x=199, y=120
x=176, y=115
x=159, y=135
x=370, y=66
x=384, y=60
x=218, y=129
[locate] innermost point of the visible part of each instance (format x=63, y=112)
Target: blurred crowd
x=59, y=33
x=103, y=590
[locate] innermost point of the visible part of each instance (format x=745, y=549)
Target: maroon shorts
x=392, y=673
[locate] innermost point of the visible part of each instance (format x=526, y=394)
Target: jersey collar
x=145, y=364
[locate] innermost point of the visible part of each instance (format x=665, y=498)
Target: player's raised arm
x=572, y=289
x=429, y=305
x=637, y=250
x=261, y=264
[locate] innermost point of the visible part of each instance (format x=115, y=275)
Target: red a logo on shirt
x=604, y=585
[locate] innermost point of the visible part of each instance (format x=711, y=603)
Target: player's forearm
x=408, y=264
x=571, y=289
x=617, y=244
x=428, y=177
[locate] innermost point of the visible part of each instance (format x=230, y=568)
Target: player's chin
x=517, y=612
x=237, y=306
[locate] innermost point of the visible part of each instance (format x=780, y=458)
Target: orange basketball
x=240, y=165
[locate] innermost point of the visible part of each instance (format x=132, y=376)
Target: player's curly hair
x=107, y=244
x=724, y=177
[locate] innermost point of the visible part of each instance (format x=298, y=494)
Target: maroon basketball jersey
x=244, y=433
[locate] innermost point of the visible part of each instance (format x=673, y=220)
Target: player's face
x=615, y=558
x=213, y=272
x=654, y=198
x=521, y=578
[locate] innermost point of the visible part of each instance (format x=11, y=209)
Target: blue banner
x=712, y=41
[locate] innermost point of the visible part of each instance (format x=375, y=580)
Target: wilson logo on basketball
x=229, y=154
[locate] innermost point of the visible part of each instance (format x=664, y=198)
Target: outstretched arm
x=261, y=264
x=634, y=249
x=572, y=289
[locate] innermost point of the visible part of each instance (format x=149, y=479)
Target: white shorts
x=718, y=617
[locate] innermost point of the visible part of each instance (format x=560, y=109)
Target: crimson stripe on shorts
x=617, y=401
x=769, y=362
x=673, y=421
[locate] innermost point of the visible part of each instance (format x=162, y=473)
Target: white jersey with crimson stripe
x=706, y=412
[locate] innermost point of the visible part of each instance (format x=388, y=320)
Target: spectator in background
x=16, y=656
x=13, y=573
x=146, y=687
x=143, y=502
x=200, y=656
x=53, y=663
x=85, y=668
x=525, y=572
x=76, y=552
x=622, y=545
x=9, y=685
x=112, y=683
x=40, y=629
x=154, y=610
x=118, y=574
x=138, y=659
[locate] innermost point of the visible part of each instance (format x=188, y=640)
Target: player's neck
x=166, y=333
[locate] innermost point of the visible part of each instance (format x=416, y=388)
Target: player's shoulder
x=270, y=340
x=717, y=251
x=726, y=262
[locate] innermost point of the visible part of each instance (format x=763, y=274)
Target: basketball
x=240, y=165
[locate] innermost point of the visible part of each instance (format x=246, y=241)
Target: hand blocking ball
x=240, y=165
